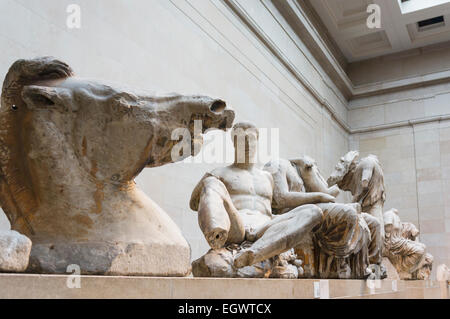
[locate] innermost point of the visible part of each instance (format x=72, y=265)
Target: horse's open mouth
x=203, y=122
x=200, y=123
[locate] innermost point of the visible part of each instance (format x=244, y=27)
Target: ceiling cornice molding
x=340, y=77
x=411, y=123
x=245, y=18
x=402, y=84
x=328, y=61
x=359, y=91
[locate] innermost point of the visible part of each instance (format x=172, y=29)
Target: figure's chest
x=252, y=183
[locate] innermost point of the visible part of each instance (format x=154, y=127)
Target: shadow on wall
x=4, y=223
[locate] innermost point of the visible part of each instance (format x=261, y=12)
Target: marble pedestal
x=55, y=286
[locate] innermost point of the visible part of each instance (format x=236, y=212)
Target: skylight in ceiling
x=408, y=6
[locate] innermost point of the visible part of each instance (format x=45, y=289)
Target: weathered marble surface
x=14, y=251
x=443, y=273
x=234, y=208
x=220, y=263
x=310, y=174
x=404, y=251
x=345, y=243
x=70, y=150
x=265, y=222
x=364, y=178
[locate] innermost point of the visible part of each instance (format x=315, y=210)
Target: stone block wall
x=415, y=157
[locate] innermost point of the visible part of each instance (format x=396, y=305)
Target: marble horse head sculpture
x=70, y=149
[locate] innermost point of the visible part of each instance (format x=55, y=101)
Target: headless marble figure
x=404, y=251
x=364, y=178
x=234, y=204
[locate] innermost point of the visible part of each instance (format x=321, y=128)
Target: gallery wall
x=414, y=149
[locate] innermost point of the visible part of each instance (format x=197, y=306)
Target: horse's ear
x=39, y=97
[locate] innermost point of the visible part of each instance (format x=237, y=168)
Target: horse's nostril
x=218, y=106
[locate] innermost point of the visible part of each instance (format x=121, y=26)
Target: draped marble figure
x=364, y=178
x=404, y=251
x=348, y=243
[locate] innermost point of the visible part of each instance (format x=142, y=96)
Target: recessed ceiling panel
x=372, y=42
x=346, y=21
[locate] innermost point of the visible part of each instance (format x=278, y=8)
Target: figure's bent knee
x=351, y=213
x=317, y=214
x=313, y=212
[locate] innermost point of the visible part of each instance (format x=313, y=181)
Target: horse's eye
x=14, y=107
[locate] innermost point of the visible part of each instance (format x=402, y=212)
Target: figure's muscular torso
x=251, y=192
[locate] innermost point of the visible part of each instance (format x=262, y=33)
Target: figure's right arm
x=217, y=217
x=195, y=196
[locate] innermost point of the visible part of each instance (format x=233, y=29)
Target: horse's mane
x=17, y=197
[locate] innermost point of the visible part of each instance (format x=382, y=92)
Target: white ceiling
x=346, y=22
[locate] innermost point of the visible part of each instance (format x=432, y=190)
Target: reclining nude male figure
x=235, y=205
